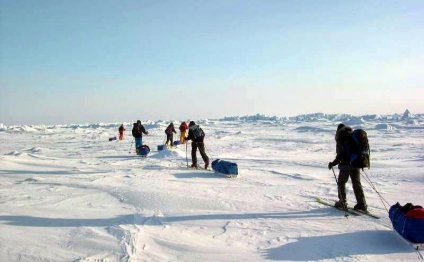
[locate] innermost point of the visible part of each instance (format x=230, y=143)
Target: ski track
x=83, y=198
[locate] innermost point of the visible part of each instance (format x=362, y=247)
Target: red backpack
x=168, y=130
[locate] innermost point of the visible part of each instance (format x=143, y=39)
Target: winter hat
x=191, y=123
x=340, y=126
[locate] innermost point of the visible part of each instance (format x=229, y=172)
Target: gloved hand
x=330, y=165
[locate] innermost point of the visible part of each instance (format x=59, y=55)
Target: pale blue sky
x=111, y=61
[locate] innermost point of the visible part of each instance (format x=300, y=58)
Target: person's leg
x=138, y=142
x=167, y=139
x=203, y=154
x=182, y=136
x=341, y=185
x=355, y=176
x=193, y=154
x=172, y=139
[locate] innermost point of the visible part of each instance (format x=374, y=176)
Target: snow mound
x=385, y=127
x=372, y=117
x=22, y=129
x=169, y=153
x=412, y=122
x=14, y=153
x=34, y=150
x=28, y=180
x=309, y=129
x=252, y=118
x=406, y=115
x=355, y=121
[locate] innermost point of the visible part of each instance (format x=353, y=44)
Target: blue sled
x=177, y=142
x=161, y=147
x=143, y=150
x=412, y=229
x=225, y=167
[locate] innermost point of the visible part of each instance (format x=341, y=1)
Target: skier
x=121, y=132
x=344, y=145
x=169, y=134
x=196, y=134
x=137, y=132
x=183, y=129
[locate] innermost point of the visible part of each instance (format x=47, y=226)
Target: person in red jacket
x=121, y=132
x=183, y=129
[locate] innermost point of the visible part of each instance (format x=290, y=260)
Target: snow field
x=68, y=194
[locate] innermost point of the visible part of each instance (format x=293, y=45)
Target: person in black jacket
x=137, y=132
x=196, y=134
x=343, y=143
x=169, y=131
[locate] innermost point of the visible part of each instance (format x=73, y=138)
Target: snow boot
x=360, y=207
x=340, y=205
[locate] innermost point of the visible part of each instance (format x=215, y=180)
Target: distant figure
x=169, y=131
x=183, y=129
x=344, y=145
x=137, y=132
x=121, y=132
x=196, y=134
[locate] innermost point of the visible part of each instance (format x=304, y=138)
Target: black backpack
x=136, y=131
x=359, y=149
x=198, y=133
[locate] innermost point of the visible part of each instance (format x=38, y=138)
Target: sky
x=64, y=61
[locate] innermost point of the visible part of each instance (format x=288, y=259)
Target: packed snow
x=67, y=193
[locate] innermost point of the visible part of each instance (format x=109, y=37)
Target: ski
x=348, y=210
x=367, y=213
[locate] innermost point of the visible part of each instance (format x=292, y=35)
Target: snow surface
x=68, y=194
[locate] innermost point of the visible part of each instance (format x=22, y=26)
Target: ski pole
x=338, y=190
x=186, y=154
x=129, y=152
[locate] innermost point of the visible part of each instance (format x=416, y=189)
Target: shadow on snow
x=367, y=242
x=138, y=219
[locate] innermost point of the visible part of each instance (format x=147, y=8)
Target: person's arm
x=338, y=158
x=190, y=135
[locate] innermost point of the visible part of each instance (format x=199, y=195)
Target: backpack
x=168, y=130
x=198, y=133
x=359, y=149
x=136, y=132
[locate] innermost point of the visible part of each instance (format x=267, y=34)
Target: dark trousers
x=169, y=138
x=355, y=176
x=201, y=146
